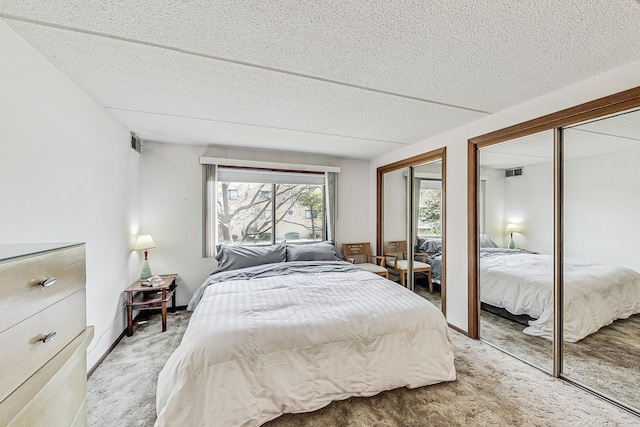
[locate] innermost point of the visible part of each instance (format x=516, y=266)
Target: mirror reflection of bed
x=601, y=345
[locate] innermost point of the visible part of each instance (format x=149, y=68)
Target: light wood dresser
x=43, y=335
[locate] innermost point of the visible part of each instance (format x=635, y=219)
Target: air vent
x=135, y=144
x=513, y=172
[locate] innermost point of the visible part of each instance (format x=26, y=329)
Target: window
x=264, y=207
x=430, y=208
x=247, y=203
x=243, y=219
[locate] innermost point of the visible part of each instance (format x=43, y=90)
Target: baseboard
x=455, y=328
x=124, y=333
x=111, y=347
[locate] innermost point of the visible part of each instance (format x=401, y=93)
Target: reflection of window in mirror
x=430, y=208
x=412, y=213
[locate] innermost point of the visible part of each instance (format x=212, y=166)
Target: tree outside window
x=247, y=219
x=429, y=211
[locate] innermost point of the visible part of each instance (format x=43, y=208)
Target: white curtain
x=331, y=189
x=209, y=211
x=415, y=215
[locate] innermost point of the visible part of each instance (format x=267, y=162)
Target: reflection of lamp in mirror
x=511, y=228
x=144, y=242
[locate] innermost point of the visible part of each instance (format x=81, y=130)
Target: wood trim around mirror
x=590, y=110
x=472, y=226
x=432, y=156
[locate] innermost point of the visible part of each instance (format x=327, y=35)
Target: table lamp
x=145, y=241
x=511, y=228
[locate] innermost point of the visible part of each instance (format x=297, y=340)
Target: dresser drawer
x=22, y=294
x=55, y=395
x=21, y=350
x=81, y=417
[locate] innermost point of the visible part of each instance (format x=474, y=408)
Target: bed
x=522, y=283
x=294, y=334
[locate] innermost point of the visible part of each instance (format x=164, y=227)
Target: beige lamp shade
x=512, y=228
x=145, y=241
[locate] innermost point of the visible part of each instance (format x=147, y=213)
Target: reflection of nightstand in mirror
x=141, y=297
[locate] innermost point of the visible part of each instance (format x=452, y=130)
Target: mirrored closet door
x=427, y=218
x=515, y=235
x=601, y=256
x=411, y=223
x=553, y=236
x=395, y=206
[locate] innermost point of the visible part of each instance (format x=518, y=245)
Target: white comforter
x=255, y=349
x=595, y=295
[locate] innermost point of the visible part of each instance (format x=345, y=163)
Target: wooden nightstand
x=146, y=298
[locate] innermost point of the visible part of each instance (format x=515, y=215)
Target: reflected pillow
x=486, y=242
x=234, y=257
x=324, y=251
x=421, y=241
x=433, y=247
x=430, y=245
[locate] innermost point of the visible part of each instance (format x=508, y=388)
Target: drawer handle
x=48, y=282
x=48, y=337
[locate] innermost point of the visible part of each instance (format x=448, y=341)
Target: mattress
x=292, y=337
x=595, y=295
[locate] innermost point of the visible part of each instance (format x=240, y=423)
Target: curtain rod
x=266, y=165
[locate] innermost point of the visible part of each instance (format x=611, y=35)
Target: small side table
x=151, y=297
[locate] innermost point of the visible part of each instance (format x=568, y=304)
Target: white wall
x=602, y=205
x=528, y=202
x=494, y=205
x=171, y=204
x=456, y=142
x=68, y=175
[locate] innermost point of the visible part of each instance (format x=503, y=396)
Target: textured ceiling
x=615, y=134
x=354, y=79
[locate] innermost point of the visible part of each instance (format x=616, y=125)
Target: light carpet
x=608, y=360
x=492, y=389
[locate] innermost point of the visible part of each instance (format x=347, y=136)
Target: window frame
x=274, y=217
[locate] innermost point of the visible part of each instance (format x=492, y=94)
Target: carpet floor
x=608, y=361
x=492, y=389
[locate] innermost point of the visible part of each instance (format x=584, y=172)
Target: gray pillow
x=434, y=246
x=421, y=241
x=430, y=245
x=234, y=257
x=486, y=242
x=324, y=251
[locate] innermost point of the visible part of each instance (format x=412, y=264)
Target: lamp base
x=146, y=270
x=512, y=244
